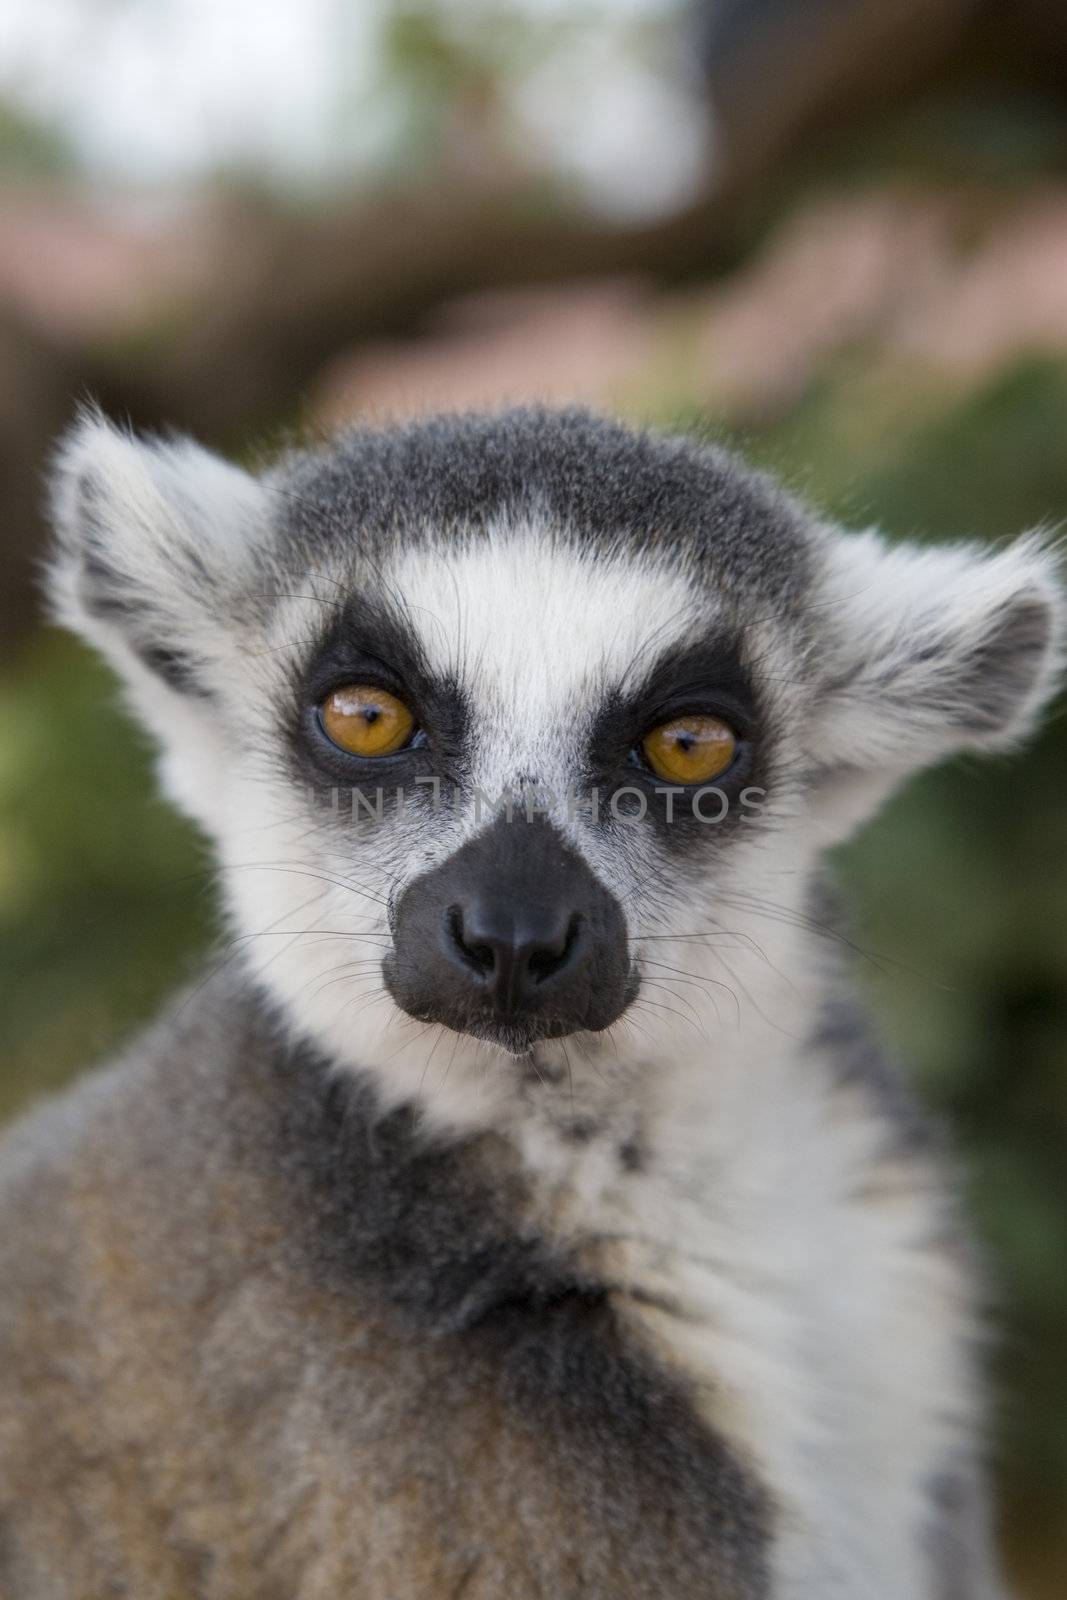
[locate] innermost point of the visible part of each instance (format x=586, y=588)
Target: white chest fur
x=772, y=1248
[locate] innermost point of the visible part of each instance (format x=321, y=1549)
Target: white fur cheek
x=193, y=767
x=310, y=926
x=735, y=944
x=194, y=751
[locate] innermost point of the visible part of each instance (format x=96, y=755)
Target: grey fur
x=596, y=478
x=308, y=1237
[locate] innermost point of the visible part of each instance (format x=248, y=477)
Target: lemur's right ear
x=156, y=541
x=153, y=536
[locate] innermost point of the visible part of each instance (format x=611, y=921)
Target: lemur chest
x=788, y=1270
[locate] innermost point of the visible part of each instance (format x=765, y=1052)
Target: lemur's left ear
x=156, y=542
x=928, y=651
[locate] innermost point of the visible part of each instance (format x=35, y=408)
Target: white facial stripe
x=537, y=632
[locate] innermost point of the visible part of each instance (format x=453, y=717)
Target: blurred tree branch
x=296, y=290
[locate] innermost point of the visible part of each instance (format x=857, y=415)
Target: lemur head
x=523, y=732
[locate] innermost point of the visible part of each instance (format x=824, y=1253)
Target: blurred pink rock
x=88, y=269
x=1005, y=298
x=583, y=342
x=962, y=281
x=838, y=271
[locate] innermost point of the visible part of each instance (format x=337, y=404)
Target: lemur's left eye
x=690, y=749
x=366, y=721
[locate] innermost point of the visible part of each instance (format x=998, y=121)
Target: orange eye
x=690, y=749
x=366, y=721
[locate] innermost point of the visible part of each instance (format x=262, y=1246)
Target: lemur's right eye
x=690, y=750
x=366, y=721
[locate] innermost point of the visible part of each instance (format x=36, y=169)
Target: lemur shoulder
x=519, y=1204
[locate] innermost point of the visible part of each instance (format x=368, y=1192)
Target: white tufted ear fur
x=155, y=542
x=928, y=652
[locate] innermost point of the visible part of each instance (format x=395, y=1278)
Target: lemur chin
x=519, y=1205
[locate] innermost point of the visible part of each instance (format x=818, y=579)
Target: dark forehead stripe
x=593, y=478
x=370, y=627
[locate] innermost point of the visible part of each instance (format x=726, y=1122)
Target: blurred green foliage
x=102, y=887
x=32, y=147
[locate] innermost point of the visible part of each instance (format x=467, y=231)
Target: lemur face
x=530, y=745
x=519, y=737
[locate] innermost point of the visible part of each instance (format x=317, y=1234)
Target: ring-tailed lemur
x=519, y=1207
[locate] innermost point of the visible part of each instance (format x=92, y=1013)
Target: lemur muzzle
x=511, y=938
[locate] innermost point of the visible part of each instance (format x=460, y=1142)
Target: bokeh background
x=832, y=231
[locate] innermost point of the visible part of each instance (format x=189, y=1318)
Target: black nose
x=511, y=939
x=515, y=952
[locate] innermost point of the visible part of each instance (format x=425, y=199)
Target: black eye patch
x=706, y=677
x=369, y=641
